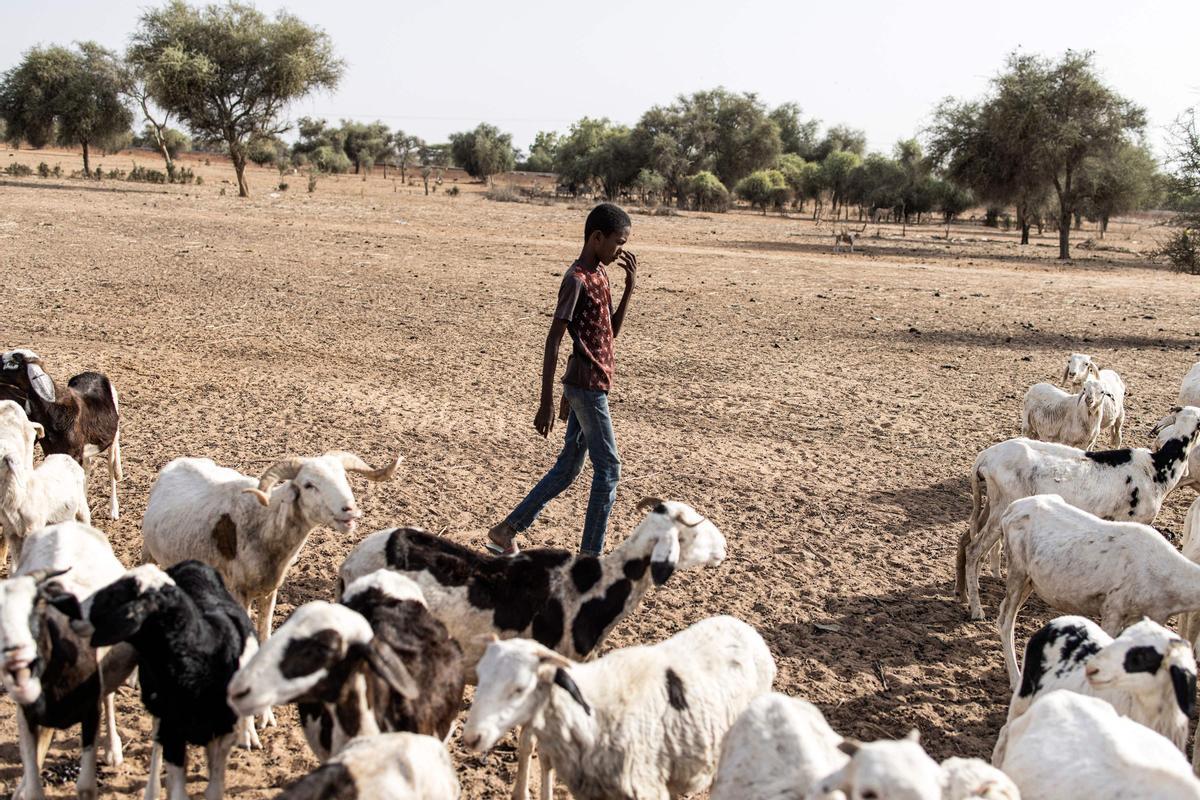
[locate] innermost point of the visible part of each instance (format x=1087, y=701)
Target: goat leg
x=217, y=754
x=85, y=785
x=28, y=739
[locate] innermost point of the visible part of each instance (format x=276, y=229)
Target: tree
x=763, y=189
x=542, y=152
x=483, y=152
x=577, y=158
x=320, y=146
x=229, y=71
x=71, y=96
x=404, y=151
x=175, y=141
x=841, y=137
x=1121, y=182
x=792, y=168
x=836, y=169
x=878, y=183
x=272, y=150
x=952, y=199
x=433, y=159
x=649, y=184
x=155, y=131
x=365, y=144
x=708, y=193
x=795, y=136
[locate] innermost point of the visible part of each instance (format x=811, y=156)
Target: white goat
x=53, y=491
x=250, y=530
x=52, y=672
x=1051, y=415
x=902, y=770
x=1068, y=746
x=1189, y=623
x=1189, y=390
x=1113, y=484
x=642, y=722
x=1081, y=564
x=1148, y=674
x=1079, y=367
x=777, y=749
x=389, y=766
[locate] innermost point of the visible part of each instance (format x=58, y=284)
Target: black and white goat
x=82, y=419
x=1127, y=485
x=1148, y=674
x=54, y=674
x=390, y=766
x=376, y=662
x=190, y=636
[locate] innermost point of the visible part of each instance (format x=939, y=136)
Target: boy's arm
x=627, y=262
x=544, y=421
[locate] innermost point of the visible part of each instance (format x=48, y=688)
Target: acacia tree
x=483, y=152
x=542, y=152
x=229, y=71
x=404, y=152
x=365, y=144
x=1123, y=181
x=72, y=96
x=796, y=135
x=134, y=87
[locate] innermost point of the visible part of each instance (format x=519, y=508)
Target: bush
x=312, y=182
x=763, y=189
x=57, y=171
x=114, y=174
x=43, y=170
x=199, y=180
x=1182, y=250
x=18, y=170
x=185, y=175
x=283, y=186
x=452, y=191
x=707, y=192
x=140, y=174
x=503, y=194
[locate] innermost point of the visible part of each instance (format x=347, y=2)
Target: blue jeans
x=589, y=432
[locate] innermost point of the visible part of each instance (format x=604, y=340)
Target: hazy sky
x=433, y=68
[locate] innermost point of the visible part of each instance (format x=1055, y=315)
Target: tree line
x=1048, y=139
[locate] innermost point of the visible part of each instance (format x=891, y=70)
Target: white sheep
x=1068, y=746
x=388, y=766
x=778, y=749
x=1051, y=415
x=902, y=770
x=1113, y=484
x=53, y=491
x=1079, y=367
x=1148, y=674
x=250, y=530
x=1189, y=623
x=1189, y=390
x=1081, y=564
x=642, y=722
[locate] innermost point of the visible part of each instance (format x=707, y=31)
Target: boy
x=585, y=311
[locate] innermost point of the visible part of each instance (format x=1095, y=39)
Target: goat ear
x=849, y=746
x=1184, y=682
x=914, y=735
x=43, y=387
x=1093, y=369
x=836, y=781
x=1066, y=372
x=387, y=665
x=564, y=681
x=665, y=555
x=65, y=602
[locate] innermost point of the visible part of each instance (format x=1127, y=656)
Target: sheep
x=1051, y=415
x=1189, y=390
x=542, y=593
x=1079, y=367
x=777, y=749
x=902, y=770
x=250, y=530
x=1069, y=746
x=377, y=662
x=1114, y=484
x=190, y=636
x=55, y=676
x=1189, y=623
x=1148, y=674
x=1081, y=564
x=642, y=722
x=390, y=766
x=33, y=498
x=82, y=420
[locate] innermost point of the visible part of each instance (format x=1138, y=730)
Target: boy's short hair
x=606, y=218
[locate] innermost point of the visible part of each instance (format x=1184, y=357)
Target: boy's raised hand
x=628, y=262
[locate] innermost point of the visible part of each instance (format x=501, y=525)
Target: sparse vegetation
x=503, y=193
x=18, y=170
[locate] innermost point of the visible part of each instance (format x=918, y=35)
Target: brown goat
x=82, y=420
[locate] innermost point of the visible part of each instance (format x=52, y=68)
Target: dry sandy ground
x=823, y=409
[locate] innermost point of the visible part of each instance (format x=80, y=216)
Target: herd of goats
x=1098, y=710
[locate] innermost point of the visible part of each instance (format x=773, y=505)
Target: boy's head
x=606, y=231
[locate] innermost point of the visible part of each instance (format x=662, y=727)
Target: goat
x=1112, y=419
x=55, y=676
x=1069, y=746
x=379, y=661
x=250, y=529
x=1051, y=415
x=1148, y=674
x=902, y=770
x=32, y=498
x=190, y=636
x=1081, y=564
x=1114, y=484
x=82, y=420
x=389, y=766
x=1189, y=622
x=1189, y=389
x=846, y=236
x=778, y=749
x=638, y=722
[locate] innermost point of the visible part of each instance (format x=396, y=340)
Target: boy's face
x=607, y=248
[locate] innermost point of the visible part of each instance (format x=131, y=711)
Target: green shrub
x=18, y=170
x=140, y=174
x=764, y=189
x=1182, y=250
x=283, y=186
x=185, y=175
x=707, y=192
x=199, y=180
x=57, y=171
x=43, y=170
x=115, y=174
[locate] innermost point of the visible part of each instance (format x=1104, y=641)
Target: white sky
x=432, y=68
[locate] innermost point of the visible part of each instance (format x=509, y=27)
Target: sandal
x=496, y=545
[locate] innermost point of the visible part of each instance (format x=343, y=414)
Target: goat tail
x=978, y=504
x=115, y=469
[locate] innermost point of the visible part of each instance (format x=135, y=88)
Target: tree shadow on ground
x=1039, y=340
x=102, y=186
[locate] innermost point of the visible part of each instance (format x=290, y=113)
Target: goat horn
x=647, y=503
x=43, y=575
x=279, y=471
x=352, y=463
x=678, y=517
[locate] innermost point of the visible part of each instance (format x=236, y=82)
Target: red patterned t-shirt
x=585, y=304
